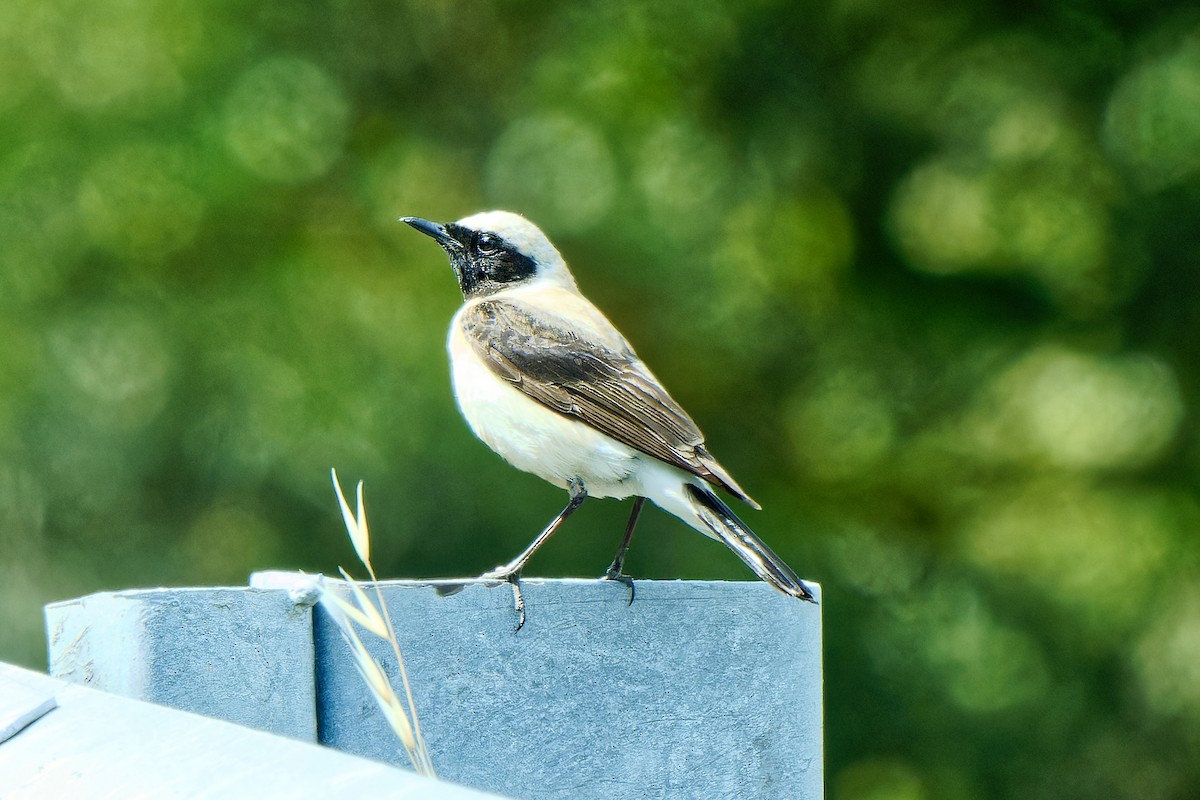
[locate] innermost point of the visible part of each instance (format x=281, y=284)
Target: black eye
x=487, y=244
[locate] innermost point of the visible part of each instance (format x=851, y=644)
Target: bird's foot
x=513, y=578
x=614, y=573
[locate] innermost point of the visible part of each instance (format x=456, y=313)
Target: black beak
x=432, y=229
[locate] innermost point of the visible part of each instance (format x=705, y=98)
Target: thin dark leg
x=511, y=572
x=614, y=571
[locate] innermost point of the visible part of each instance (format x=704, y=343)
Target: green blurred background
x=925, y=273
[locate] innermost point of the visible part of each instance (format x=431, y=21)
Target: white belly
x=535, y=439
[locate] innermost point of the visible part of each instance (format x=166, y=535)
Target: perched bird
x=546, y=381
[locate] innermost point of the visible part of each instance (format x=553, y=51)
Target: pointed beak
x=432, y=229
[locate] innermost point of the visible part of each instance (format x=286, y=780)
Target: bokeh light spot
x=1060, y=238
x=1152, y=123
x=879, y=779
x=554, y=168
x=1025, y=130
x=982, y=665
x=136, y=202
x=684, y=175
x=285, y=120
x=801, y=246
x=959, y=216
x=227, y=541
x=944, y=219
x=878, y=566
x=842, y=427
x=39, y=227
x=1168, y=656
x=1080, y=411
x=117, y=366
x=1095, y=552
x=987, y=666
x=118, y=50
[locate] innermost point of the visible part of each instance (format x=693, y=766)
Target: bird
x=549, y=383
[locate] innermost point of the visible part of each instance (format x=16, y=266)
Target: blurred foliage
x=926, y=274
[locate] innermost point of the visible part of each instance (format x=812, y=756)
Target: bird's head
x=496, y=250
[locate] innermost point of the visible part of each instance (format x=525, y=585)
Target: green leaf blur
x=925, y=273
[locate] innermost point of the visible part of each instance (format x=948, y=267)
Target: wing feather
x=608, y=388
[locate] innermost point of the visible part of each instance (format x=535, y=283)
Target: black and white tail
x=725, y=525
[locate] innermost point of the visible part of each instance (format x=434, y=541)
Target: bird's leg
x=511, y=572
x=614, y=573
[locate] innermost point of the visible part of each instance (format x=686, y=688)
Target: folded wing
x=610, y=389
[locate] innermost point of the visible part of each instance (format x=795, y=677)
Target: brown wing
x=609, y=389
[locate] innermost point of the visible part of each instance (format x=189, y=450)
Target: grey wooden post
x=698, y=689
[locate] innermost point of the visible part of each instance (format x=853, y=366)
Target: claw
x=615, y=574
x=518, y=603
x=511, y=572
x=513, y=578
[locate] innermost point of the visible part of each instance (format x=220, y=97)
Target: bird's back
x=556, y=347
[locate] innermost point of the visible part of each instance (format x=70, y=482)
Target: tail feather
x=725, y=525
